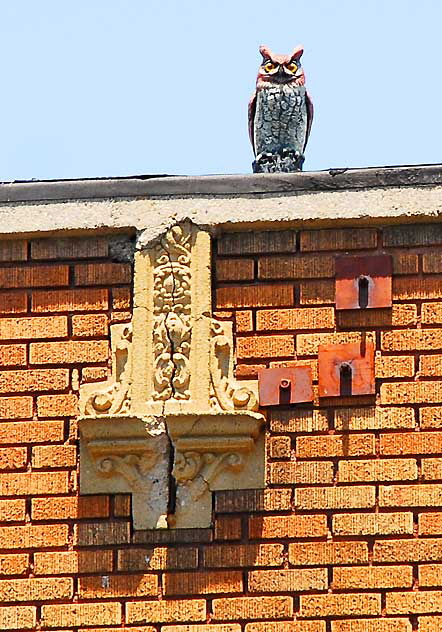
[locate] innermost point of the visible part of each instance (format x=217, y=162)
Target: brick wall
x=347, y=537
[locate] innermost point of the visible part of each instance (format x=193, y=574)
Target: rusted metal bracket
x=363, y=282
x=346, y=369
x=285, y=385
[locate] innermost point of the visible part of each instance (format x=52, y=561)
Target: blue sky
x=95, y=88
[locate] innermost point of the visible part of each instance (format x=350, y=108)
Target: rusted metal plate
x=346, y=369
x=363, y=282
x=285, y=385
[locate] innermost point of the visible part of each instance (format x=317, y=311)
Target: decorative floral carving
x=115, y=396
x=172, y=305
x=134, y=468
x=226, y=393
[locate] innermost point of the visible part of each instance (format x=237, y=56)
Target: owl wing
x=252, y=111
x=309, y=104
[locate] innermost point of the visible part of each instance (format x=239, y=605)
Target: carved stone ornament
x=172, y=391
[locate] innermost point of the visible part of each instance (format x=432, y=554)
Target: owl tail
x=286, y=161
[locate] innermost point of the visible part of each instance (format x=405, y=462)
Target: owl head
x=280, y=69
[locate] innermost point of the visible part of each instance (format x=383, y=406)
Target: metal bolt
x=285, y=383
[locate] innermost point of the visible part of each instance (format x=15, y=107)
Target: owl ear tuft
x=265, y=52
x=297, y=52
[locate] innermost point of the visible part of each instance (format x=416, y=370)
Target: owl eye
x=292, y=66
x=269, y=66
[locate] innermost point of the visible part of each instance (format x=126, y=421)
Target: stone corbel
x=172, y=377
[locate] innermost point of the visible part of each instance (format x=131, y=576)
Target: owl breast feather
x=280, y=119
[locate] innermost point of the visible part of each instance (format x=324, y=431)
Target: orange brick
x=279, y=447
x=34, y=276
x=313, y=472
x=372, y=625
x=431, y=469
x=228, y=527
x=33, y=483
x=12, y=510
x=308, y=344
x=335, y=497
x=411, y=443
x=244, y=320
x=430, y=575
x=235, y=269
x=102, y=533
x=36, y=589
x=18, y=617
x=431, y=313
x=15, y=564
x=78, y=300
x=317, y=292
x=33, y=380
x=252, y=608
x=410, y=495
x=394, y=366
x=411, y=393
x=122, y=504
x=102, y=273
x=413, y=602
x=249, y=500
x=430, y=523
x=411, y=235
x=121, y=298
x=236, y=555
x=292, y=267
x=404, y=263
x=33, y=536
x=13, y=355
x=225, y=627
x=54, y=456
x=412, y=340
x=14, y=408
x=338, y=239
x=158, y=558
x=33, y=328
x=299, y=580
x=411, y=550
x=377, y=470
x=414, y=288
x=69, y=352
x=327, y=553
x=399, y=315
x=430, y=624
x=89, y=325
x=313, y=364
x=120, y=317
x=373, y=577
x=256, y=242
x=12, y=458
x=265, y=346
x=431, y=417
x=283, y=626
x=249, y=371
x=203, y=583
x=304, y=318
x=31, y=431
x=287, y=526
x=76, y=614
x=176, y=611
x=237, y=296
x=57, y=405
x=70, y=507
x=94, y=374
x=93, y=587
x=394, y=523
x=335, y=445
x=72, y=562
x=340, y=605
x=13, y=302
x=13, y=250
x=69, y=248
x=374, y=418
x=298, y=420
x=430, y=365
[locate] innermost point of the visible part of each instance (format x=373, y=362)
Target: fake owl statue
x=280, y=113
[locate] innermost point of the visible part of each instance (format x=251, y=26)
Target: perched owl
x=280, y=113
